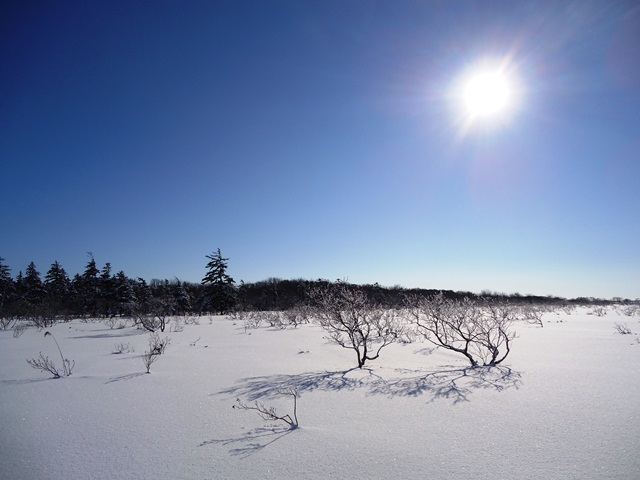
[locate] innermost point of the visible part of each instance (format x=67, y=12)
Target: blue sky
x=324, y=139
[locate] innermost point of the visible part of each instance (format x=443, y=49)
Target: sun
x=486, y=93
x=486, y=96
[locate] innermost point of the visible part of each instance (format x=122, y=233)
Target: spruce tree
x=123, y=293
x=57, y=287
x=88, y=288
x=107, y=303
x=7, y=290
x=34, y=293
x=219, y=288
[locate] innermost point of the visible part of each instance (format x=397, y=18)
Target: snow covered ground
x=565, y=406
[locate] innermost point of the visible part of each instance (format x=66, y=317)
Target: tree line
x=101, y=293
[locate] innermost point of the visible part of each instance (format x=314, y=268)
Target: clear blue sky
x=323, y=139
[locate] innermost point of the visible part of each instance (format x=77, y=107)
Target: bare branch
x=270, y=413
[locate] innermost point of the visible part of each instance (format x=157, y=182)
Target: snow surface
x=566, y=406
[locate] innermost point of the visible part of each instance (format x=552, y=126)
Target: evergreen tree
x=106, y=292
x=182, y=298
x=88, y=288
x=57, y=288
x=141, y=298
x=7, y=290
x=219, y=288
x=33, y=293
x=57, y=281
x=123, y=293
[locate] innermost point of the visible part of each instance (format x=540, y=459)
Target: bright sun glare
x=486, y=94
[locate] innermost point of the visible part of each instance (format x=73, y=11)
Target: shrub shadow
x=267, y=386
x=111, y=334
x=453, y=383
x=251, y=442
x=120, y=378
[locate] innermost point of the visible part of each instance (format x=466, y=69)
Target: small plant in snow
x=43, y=363
x=622, y=329
x=19, y=329
x=598, y=311
x=270, y=413
x=122, y=347
x=532, y=314
x=158, y=345
x=114, y=322
x=149, y=358
x=177, y=325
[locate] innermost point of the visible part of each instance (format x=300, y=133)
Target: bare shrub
x=157, y=345
x=148, y=358
x=479, y=331
x=43, y=363
x=297, y=315
x=598, y=311
x=111, y=322
x=122, y=347
x=177, y=325
x=42, y=321
x=622, y=329
x=270, y=413
x=149, y=322
x=532, y=314
x=630, y=310
x=353, y=321
x=190, y=320
x=8, y=323
x=114, y=322
x=273, y=318
x=251, y=320
x=19, y=329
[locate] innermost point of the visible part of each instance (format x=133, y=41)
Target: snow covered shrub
x=158, y=345
x=598, y=311
x=43, y=363
x=250, y=320
x=190, y=320
x=297, y=315
x=7, y=323
x=630, y=310
x=148, y=358
x=148, y=322
x=273, y=318
x=122, y=347
x=111, y=322
x=270, y=413
x=353, y=321
x=481, y=331
x=622, y=329
x=532, y=314
x=19, y=329
x=177, y=325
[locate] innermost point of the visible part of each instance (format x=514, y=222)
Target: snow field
x=565, y=406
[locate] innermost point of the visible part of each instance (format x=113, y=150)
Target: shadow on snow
x=455, y=383
x=251, y=442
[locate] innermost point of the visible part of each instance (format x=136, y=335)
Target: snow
x=565, y=406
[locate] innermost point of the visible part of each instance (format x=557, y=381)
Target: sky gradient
x=323, y=139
